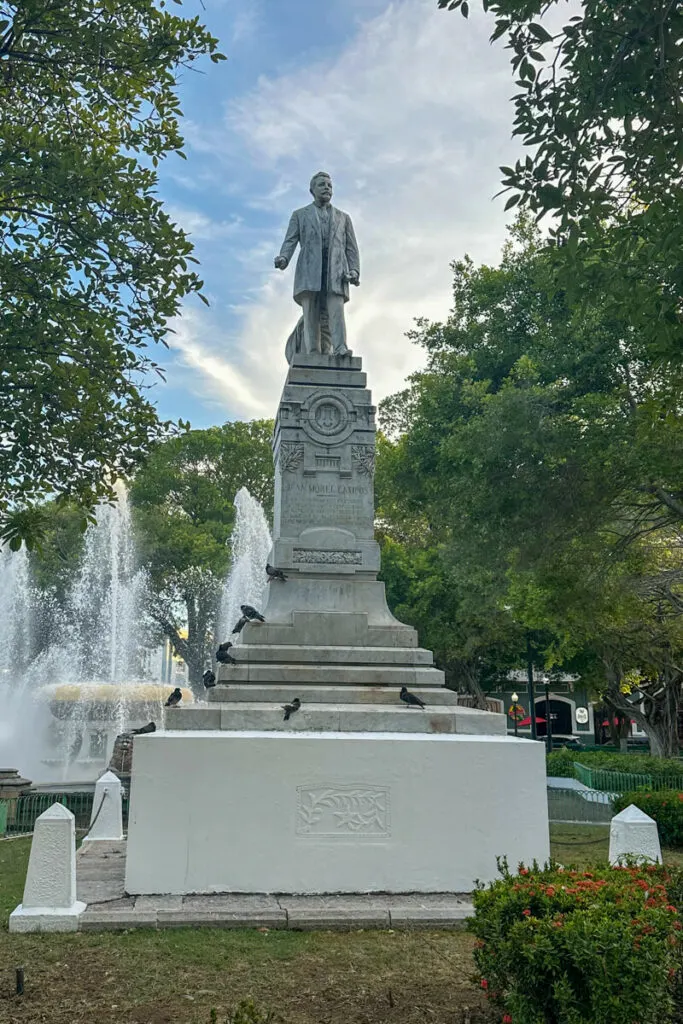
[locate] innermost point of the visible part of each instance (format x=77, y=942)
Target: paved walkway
x=100, y=870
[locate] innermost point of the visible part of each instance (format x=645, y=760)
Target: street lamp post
x=515, y=698
x=530, y=683
x=548, y=723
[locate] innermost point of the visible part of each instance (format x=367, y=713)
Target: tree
x=599, y=106
x=456, y=608
x=91, y=267
x=544, y=445
x=183, y=511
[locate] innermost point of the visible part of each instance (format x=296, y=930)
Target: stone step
x=332, y=675
x=329, y=629
x=242, y=716
x=278, y=694
x=257, y=652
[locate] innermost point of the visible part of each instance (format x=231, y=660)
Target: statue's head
x=321, y=187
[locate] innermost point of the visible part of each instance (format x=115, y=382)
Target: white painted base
x=46, y=919
x=331, y=812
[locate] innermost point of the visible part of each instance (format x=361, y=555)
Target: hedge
x=559, y=762
x=559, y=946
x=666, y=807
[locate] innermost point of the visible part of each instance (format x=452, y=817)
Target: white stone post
x=50, y=903
x=634, y=834
x=106, y=820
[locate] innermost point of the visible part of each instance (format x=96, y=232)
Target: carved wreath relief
x=343, y=811
x=363, y=456
x=291, y=456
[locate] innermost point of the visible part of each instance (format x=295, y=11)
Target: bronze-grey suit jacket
x=304, y=230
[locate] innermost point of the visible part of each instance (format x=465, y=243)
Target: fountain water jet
x=80, y=686
x=247, y=581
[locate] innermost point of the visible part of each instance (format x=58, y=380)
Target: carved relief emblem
x=329, y=417
x=363, y=456
x=343, y=811
x=291, y=455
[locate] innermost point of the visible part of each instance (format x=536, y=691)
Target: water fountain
x=246, y=582
x=63, y=708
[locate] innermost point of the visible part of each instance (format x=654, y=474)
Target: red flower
x=671, y=908
x=524, y=871
x=527, y=913
x=484, y=984
x=507, y=1019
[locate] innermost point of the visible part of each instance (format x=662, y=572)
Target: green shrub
x=665, y=806
x=561, y=763
x=568, y=947
x=636, y=764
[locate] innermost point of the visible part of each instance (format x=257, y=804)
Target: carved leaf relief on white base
x=343, y=811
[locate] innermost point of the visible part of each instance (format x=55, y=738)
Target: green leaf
x=541, y=33
x=512, y=201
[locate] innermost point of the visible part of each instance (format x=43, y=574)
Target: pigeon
x=209, y=679
x=223, y=656
x=175, y=698
x=410, y=699
x=239, y=625
x=151, y=727
x=289, y=709
x=250, y=613
x=274, y=574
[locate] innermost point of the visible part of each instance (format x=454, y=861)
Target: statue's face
x=322, y=190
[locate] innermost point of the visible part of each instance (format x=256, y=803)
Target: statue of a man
x=328, y=263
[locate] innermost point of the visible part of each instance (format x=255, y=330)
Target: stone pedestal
x=106, y=823
x=50, y=903
x=326, y=812
x=633, y=833
x=355, y=792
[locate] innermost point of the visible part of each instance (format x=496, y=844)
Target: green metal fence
x=624, y=782
x=21, y=812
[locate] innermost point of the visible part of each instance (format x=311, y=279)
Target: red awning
x=527, y=721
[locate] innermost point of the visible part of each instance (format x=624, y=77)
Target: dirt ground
x=177, y=977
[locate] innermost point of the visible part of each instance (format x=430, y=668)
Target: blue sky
x=405, y=105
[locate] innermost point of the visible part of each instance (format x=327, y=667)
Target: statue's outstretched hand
x=281, y=262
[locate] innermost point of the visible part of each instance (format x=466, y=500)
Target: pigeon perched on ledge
x=290, y=709
x=275, y=574
x=223, y=656
x=239, y=625
x=410, y=699
x=151, y=727
x=251, y=614
x=175, y=698
x=209, y=679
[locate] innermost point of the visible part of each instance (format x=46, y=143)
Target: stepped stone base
x=328, y=717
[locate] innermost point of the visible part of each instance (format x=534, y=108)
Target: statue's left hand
x=353, y=277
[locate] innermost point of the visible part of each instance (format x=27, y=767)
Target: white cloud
x=199, y=226
x=412, y=120
x=212, y=377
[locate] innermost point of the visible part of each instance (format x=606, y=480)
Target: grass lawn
x=179, y=976
x=582, y=845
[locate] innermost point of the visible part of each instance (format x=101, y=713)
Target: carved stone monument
x=353, y=790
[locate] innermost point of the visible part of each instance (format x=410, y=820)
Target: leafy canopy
x=541, y=449
x=91, y=267
x=183, y=509
x=599, y=106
